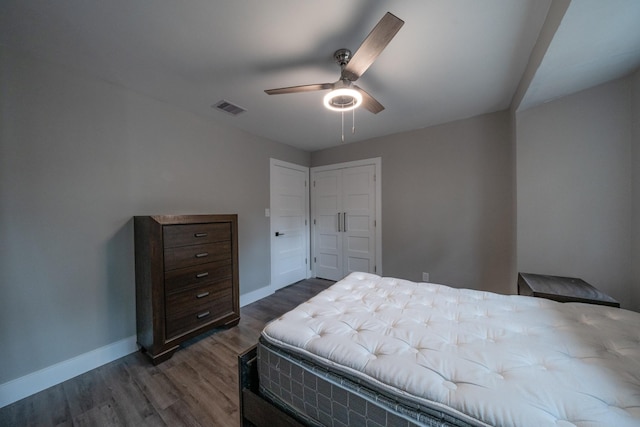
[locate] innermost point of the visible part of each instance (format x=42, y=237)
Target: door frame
x=272, y=229
x=377, y=162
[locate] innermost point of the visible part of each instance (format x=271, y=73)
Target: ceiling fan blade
x=369, y=102
x=372, y=46
x=302, y=88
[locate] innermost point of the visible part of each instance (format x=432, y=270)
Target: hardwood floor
x=198, y=386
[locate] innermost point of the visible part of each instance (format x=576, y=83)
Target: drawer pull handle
x=202, y=295
x=201, y=275
x=202, y=255
x=200, y=235
x=201, y=315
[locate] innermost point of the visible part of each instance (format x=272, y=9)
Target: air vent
x=229, y=108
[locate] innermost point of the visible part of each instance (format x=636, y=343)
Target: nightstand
x=562, y=289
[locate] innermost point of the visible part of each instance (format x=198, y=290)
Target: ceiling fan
x=345, y=95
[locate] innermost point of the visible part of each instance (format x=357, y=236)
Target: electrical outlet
x=425, y=277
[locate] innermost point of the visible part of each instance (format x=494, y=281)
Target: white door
x=327, y=224
x=344, y=221
x=289, y=210
x=358, y=219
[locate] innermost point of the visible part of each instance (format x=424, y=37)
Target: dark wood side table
x=562, y=289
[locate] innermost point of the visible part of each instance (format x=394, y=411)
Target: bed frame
x=255, y=410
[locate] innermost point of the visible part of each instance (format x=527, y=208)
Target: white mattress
x=489, y=359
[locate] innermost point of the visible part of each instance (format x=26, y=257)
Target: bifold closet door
x=344, y=221
x=358, y=218
x=327, y=238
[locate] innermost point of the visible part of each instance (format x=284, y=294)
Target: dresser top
x=190, y=219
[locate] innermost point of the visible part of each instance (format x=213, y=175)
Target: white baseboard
x=32, y=383
x=256, y=295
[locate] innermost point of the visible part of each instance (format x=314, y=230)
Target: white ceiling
x=452, y=59
x=596, y=42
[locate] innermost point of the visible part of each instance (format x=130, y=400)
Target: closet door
x=358, y=219
x=344, y=221
x=327, y=239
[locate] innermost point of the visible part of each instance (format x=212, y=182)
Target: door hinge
x=375, y=268
x=305, y=261
x=305, y=222
x=314, y=183
x=314, y=221
x=314, y=259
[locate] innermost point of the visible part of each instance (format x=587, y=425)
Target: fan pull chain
x=353, y=122
x=342, y=114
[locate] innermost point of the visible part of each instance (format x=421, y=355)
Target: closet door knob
x=279, y=234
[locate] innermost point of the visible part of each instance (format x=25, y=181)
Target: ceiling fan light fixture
x=343, y=99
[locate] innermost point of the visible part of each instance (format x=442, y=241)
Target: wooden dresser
x=186, y=278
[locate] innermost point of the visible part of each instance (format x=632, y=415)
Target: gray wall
x=78, y=158
x=447, y=201
x=635, y=260
x=574, y=189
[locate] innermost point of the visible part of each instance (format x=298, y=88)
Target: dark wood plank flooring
x=198, y=386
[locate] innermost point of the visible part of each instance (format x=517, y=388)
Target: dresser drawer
x=198, y=275
x=185, y=256
x=193, y=300
x=195, y=234
x=187, y=312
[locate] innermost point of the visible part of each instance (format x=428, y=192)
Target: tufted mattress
x=477, y=357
